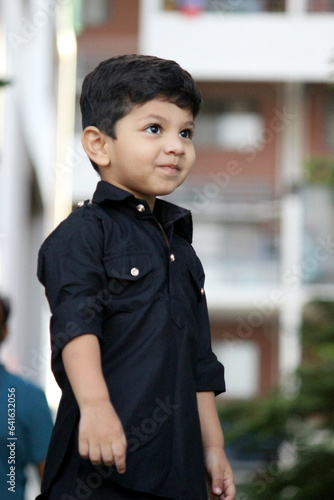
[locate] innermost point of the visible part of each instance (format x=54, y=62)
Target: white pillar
x=291, y=229
x=67, y=54
x=296, y=6
x=13, y=194
x=27, y=153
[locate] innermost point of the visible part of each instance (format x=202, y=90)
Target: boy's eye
x=153, y=129
x=187, y=133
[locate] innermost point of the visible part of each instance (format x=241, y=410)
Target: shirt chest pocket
x=131, y=281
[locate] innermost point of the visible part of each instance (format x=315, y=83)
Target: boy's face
x=153, y=151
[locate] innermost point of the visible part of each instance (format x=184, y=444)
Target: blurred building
x=263, y=232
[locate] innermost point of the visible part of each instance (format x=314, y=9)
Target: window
x=238, y=253
x=94, y=12
x=242, y=366
x=238, y=128
x=317, y=263
x=230, y=124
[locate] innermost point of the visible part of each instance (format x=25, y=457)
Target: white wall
x=213, y=45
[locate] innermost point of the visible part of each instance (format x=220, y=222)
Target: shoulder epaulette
x=82, y=203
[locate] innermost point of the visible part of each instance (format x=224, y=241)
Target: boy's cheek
x=193, y=157
x=192, y=163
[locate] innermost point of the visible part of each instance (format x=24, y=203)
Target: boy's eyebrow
x=189, y=123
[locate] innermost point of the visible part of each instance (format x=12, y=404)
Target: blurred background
x=261, y=194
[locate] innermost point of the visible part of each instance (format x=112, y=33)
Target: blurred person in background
x=25, y=425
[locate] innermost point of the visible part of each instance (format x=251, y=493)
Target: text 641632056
x=11, y=439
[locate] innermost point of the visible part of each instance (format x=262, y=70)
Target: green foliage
x=3, y=83
x=320, y=170
x=302, y=424
x=311, y=478
x=256, y=422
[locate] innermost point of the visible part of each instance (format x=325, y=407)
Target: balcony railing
x=228, y=6
x=245, y=6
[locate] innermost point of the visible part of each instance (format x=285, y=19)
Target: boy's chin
x=166, y=191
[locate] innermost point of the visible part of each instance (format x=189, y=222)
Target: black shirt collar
x=108, y=192
x=165, y=212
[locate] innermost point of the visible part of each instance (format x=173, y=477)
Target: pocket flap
x=130, y=267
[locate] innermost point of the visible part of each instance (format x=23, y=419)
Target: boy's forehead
x=159, y=107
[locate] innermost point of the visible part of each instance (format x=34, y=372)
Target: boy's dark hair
x=120, y=83
x=4, y=315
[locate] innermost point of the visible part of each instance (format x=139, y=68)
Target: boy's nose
x=174, y=145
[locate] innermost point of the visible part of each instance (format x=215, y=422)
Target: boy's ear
x=94, y=143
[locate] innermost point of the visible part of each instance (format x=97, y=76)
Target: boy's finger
x=217, y=491
x=95, y=454
x=107, y=455
x=119, y=458
x=83, y=448
x=217, y=482
x=230, y=491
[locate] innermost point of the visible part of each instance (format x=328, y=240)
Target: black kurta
x=108, y=271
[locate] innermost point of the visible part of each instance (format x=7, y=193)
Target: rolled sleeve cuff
x=72, y=318
x=210, y=375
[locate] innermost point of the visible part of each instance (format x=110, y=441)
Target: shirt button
x=134, y=271
x=140, y=208
x=202, y=291
x=172, y=257
x=81, y=203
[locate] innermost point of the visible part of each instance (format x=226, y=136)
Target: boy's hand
x=221, y=481
x=101, y=435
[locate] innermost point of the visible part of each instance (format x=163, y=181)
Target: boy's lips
x=170, y=168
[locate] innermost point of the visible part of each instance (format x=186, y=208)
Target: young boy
x=130, y=335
